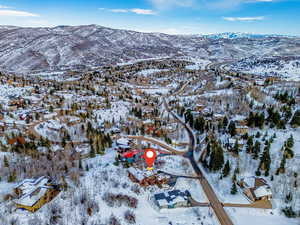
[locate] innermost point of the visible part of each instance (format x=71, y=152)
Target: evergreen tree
x=225, y=122
x=236, y=147
x=265, y=159
x=233, y=189
x=232, y=128
x=216, y=158
x=226, y=169
x=5, y=162
x=92, y=151
x=12, y=177
x=80, y=164
x=290, y=142
x=249, y=147
x=199, y=124
x=256, y=149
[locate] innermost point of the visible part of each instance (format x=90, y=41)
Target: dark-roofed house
x=172, y=199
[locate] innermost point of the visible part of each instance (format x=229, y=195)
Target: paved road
x=216, y=205
x=263, y=204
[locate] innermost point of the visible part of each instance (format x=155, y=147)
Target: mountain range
x=24, y=50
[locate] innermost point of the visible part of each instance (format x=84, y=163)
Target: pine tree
x=290, y=142
x=236, y=147
x=232, y=128
x=225, y=122
x=281, y=168
x=5, y=161
x=256, y=149
x=12, y=177
x=265, y=159
x=80, y=164
x=233, y=189
x=226, y=169
x=249, y=147
x=216, y=158
x=92, y=152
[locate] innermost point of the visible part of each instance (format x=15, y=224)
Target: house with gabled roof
x=255, y=188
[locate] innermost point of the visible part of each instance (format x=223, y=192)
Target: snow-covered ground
x=118, y=111
x=150, y=71
x=8, y=92
x=151, y=91
x=102, y=178
x=53, y=130
x=198, y=64
x=288, y=69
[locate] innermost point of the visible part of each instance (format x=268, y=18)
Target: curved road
x=215, y=203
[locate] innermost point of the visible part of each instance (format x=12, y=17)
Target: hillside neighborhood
x=227, y=146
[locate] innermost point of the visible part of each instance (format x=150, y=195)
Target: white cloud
x=244, y=19
x=253, y=1
x=165, y=4
x=231, y=4
x=135, y=10
x=4, y=7
x=15, y=13
x=119, y=10
x=143, y=11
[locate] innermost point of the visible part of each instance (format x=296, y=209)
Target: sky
x=166, y=16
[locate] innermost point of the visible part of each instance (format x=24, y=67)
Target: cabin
x=172, y=199
x=123, y=145
x=241, y=130
x=35, y=193
x=255, y=188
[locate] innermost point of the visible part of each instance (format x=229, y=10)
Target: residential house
x=34, y=193
x=123, y=145
x=172, y=199
x=241, y=130
x=255, y=188
x=131, y=156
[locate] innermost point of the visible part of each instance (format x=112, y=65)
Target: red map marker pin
x=150, y=157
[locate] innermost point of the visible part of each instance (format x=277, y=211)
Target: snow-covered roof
x=249, y=181
x=238, y=117
x=32, y=190
x=54, y=124
x=123, y=141
x=32, y=198
x=242, y=127
x=172, y=197
x=262, y=191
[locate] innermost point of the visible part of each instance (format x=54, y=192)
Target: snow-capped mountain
x=236, y=35
x=28, y=49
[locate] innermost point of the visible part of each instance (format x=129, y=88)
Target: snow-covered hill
x=284, y=67
x=235, y=35
x=63, y=47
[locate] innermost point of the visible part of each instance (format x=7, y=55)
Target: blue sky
x=167, y=16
